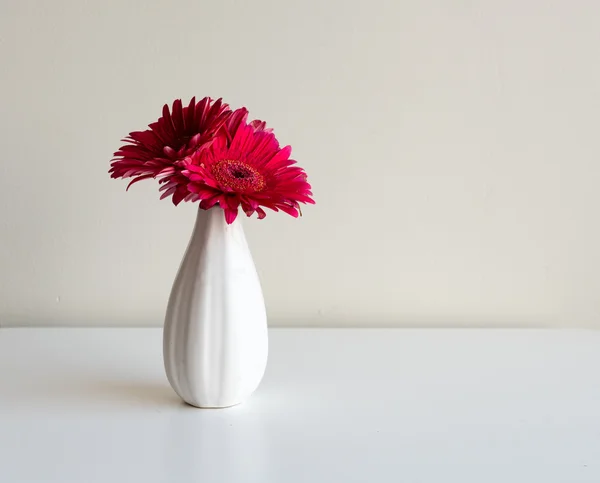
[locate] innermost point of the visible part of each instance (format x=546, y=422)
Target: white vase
x=215, y=340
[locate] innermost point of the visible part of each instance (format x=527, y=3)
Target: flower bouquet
x=215, y=336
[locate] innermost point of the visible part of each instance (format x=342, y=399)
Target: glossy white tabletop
x=465, y=406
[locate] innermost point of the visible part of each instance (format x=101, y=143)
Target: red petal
x=193, y=167
x=282, y=155
x=195, y=177
x=190, y=115
x=238, y=117
x=232, y=202
x=177, y=116
x=203, y=191
x=144, y=137
x=194, y=141
x=179, y=195
x=139, y=178
x=168, y=193
x=210, y=202
x=289, y=210
x=170, y=152
x=230, y=216
x=201, y=109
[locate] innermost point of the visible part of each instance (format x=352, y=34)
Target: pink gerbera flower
x=246, y=167
x=158, y=152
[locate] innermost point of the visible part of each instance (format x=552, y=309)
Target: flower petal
x=261, y=213
x=139, y=178
x=230, y=215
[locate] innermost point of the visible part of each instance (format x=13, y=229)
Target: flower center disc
x=238, y=176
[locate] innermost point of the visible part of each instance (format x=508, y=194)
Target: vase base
x=215, y=338
x=213, y=407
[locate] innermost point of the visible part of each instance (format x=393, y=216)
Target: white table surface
x=402, y=406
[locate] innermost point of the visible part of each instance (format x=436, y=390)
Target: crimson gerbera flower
x=246, y=167
x=158, y=152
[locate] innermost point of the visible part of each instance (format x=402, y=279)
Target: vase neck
x=213, y=220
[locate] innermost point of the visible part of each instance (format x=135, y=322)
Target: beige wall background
x=452, y=145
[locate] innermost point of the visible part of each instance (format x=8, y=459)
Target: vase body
x=215, y=341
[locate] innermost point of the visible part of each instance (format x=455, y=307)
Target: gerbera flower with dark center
x=158, y=152
x=244, y=166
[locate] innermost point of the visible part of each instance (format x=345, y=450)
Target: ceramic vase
x=215, y=341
